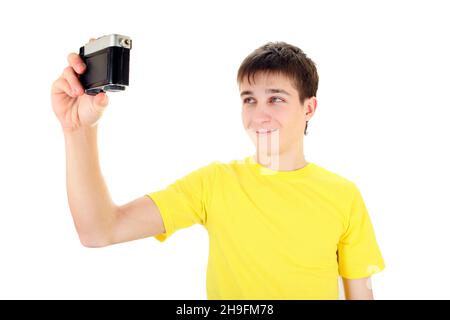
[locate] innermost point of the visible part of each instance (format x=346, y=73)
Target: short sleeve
x=184, y=202
x=358, y=253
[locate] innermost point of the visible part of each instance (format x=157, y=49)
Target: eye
x=281, y=100
x=246, y=100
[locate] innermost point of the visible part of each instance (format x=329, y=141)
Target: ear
x=310, y=106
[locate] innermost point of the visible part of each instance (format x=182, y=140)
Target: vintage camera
x=108, y=64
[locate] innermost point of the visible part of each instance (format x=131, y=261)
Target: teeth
x=265, y=130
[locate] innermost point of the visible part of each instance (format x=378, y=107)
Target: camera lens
x=93, y=92
x=113, y=87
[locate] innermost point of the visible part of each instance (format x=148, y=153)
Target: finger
x=76, y=62
x=75, y=85
x=61, y=85
x=101, y=101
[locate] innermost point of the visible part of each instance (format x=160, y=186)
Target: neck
x=282, y=161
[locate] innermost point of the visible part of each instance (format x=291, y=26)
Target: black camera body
x=108, y=64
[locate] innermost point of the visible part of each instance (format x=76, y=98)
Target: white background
x=382, y=122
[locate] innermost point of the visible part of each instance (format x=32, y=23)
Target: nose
x=261, y=114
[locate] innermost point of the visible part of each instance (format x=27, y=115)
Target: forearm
x=92, y=208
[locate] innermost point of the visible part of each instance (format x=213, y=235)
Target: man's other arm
x=358, y=289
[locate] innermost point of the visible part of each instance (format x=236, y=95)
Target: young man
x=279, y=227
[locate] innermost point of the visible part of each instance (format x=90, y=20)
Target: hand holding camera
x=79, y=95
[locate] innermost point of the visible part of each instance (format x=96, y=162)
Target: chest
x=303, y=225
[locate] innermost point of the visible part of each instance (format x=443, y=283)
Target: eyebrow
x=247, y=92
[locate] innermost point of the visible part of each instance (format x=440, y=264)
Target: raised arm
x=98, y=220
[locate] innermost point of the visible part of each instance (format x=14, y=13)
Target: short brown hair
x=284, y=58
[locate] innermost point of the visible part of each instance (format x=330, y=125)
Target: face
x=272, y=113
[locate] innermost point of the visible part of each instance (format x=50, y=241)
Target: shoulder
x=217, y=169
x=227, y=166
x=334, y=180
x=342, y=191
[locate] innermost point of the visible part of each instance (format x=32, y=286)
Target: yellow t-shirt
x=273, y=234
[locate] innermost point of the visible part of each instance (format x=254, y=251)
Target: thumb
x=100, y=101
